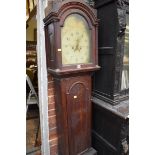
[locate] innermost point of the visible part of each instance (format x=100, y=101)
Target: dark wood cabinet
x=110, y=129
x=111, y=40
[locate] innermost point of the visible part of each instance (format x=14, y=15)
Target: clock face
x=75, y=41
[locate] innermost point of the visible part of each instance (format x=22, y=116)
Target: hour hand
x=76, y=47
x=73, y=47
x=79, y=49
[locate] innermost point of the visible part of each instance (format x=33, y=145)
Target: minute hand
x=77, y=45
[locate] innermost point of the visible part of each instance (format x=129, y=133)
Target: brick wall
x=53, y=138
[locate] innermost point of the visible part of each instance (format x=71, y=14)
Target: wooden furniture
x=31, y=54
x=112, y=25
x=110, y=131
x=71, y=49
x=110, y=103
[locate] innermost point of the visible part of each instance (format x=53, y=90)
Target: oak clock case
x=71, y=51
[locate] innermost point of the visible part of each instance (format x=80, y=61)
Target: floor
x=33, y=135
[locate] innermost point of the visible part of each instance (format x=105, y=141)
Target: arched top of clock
x=59, y=9
x=75, y=11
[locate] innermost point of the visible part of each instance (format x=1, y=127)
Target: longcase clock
x=71, y=48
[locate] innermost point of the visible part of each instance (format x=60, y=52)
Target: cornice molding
x=58, y=9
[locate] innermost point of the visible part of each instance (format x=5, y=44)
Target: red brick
x=52, y=122
x=51, y=106
x=51, y=112
x=54, y=150
x=50, y=84
x=54, y=141
x=50, y=78
x=50, y=99
x=53, y=133
x=51, y=92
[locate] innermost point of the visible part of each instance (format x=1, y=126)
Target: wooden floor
x=32, y=127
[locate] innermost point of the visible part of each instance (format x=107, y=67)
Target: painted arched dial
x=75, y=40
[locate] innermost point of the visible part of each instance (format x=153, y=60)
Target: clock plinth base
x=90, y=151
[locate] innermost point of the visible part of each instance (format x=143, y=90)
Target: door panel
x=78, y=121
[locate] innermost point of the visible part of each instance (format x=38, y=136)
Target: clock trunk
x=74, y=106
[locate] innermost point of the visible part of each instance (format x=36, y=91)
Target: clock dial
x=75, y=40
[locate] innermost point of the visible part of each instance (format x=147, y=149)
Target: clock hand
x=80, y=40
x=75, y=48
x=77, y=45
x=79, y=49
